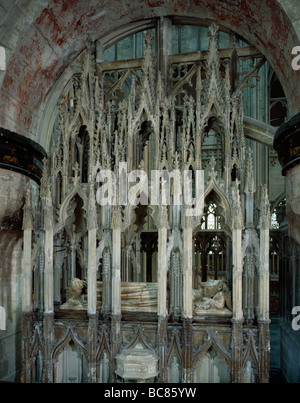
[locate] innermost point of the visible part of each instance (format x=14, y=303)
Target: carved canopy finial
x=237, y=216
x=249, y=185
x=264, y=218
x=213, y=30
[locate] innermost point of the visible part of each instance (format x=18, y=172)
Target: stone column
x=263, y=279
x=137, y=266
x=73, y=257
x=187, y=308
x=106, y=283
x=48, y=335
x=41, y=278
x=237, y=273
x=48, y=317
x=162, y=267
x=162, y=310
x=92, y=272
x=58, y=264
x=263, y=288
x=106, y=260
x=116, y=261
x=116, y=287
x=187, y=349
x=165, y=46
x=92, y=347
x=48, y=267
x=92, y=285
x=237, y=262
x=162, y=329
x=175, y=284
x=228, y=261
x=26, y=263
x=250, y=235
x=92, y=253
x=249, y=191
x=237, y=350
x=27, y=290
x=237, y=284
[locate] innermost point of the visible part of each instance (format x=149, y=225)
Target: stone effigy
x=74, y=294
x=135, y=297
x=213, y=296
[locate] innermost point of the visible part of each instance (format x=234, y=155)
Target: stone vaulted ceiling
x=43, y=37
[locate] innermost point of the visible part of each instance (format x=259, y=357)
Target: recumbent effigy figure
x=213, y=295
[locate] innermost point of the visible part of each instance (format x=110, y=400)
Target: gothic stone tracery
x=137, y=263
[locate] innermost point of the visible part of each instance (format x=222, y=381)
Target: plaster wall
x=10, y=300
x=43, y=38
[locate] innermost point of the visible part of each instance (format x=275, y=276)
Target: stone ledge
x=21, y=154
x=287, y=143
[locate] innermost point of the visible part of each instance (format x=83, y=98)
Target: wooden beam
x=193, y=57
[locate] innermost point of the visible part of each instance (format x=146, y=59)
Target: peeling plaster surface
x=13, y=190
x=2, y=318
x=10, y=300
x=42, y=38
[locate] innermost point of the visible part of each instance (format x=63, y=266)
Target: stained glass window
x=211, y=220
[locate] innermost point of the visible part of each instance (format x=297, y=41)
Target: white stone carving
x=2, y=318
x=137, y=363
x=213, y=296
x=74, y=294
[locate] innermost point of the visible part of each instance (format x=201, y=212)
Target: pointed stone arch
x=212, y=341
x=213, y=188
x=69, y=358
x=250, y=360
x=63, y=215
x=69, y=336
x=250, y=352
x=37, y=343
x=79, y=120
x=103, y=345
x=214, y=113
x=174, y=348
x=174, y=360
x=141, y=115
x=103, y=358
x=36, y=354
x=140, y=338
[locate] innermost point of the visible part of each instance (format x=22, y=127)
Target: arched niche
x=212, y=241
x=213, y=144
x=250, y=363
x=210, y=366
x=174, y=362
x=70, y=360
x=103, y=360
x=37, y=358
